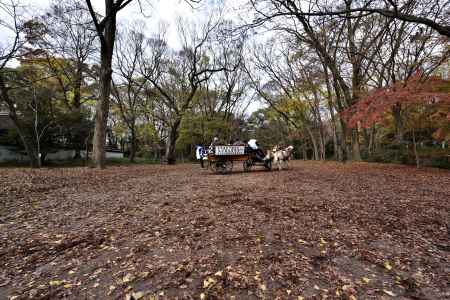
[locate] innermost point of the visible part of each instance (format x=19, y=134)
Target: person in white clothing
x=253, y=143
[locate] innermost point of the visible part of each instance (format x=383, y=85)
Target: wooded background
x=348, y=80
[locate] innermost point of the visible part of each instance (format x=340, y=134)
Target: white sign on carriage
x=229, y=150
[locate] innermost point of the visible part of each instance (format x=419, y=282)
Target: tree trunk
x=322, y=145
x=314, y=143
x=397, y=114
x=102, y=107
x=27, y=142
x=333, y=118
x=77, y=109
x=133, y=144
x=416, y=155
x=171, y=143
x=366, y=138
x=320, y=125
x=342, y=142
x=371, y=140
x=86, y=143
x=356, y=152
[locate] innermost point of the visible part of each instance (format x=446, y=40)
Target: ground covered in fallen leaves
x=318, y=230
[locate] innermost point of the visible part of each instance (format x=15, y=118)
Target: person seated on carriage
x=213, y=144
x=238, y=142
x=253, y=144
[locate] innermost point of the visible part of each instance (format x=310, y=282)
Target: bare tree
x=106, y=31
x=178, y=76
x=348, y=48
x=129, y=87
x=433, y=14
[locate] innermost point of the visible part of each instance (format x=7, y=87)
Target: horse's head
x=289, y=151
x=275, y=148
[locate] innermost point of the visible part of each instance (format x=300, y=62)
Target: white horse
x=281, y=156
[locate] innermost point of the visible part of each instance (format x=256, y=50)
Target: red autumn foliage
x=416, y=90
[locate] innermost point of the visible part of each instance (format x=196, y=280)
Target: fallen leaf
x=365, y=280
x=389, y=293
x=128, y=278
x=208, y=282
x=56, y=282
x=138, y=295
x=387, y=266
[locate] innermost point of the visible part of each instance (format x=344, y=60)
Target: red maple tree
x=417, y=90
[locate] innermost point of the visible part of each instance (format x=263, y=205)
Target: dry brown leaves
x=353, y=231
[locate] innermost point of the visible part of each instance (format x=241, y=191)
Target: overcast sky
x=154, y=12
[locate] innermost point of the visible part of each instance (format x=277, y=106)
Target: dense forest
x=347, y=80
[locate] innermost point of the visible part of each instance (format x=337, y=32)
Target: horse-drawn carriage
x=221, y=158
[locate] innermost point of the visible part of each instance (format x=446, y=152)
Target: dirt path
x=318, y=229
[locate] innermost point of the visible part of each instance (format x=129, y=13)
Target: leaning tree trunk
x=102, y=107
x=171, y=143
x=314, y=143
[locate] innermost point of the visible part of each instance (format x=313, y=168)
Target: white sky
x=154, y=12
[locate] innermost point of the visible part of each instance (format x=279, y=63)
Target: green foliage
x=429, y=156
x=43, y=110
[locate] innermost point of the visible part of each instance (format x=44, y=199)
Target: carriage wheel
x=247, y=165
x=228, y=165
x=222, y=166
x=268, y=165
x=215, y=166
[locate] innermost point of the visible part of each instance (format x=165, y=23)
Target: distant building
x=6, y=123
